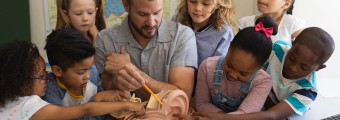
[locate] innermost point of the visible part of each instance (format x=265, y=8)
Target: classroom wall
x=245, y=8
x=15, y=22
x=326, y=15
x=38, y=28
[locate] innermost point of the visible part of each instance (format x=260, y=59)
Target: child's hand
x=93, y=32
x=137, y=107
x=112, y=96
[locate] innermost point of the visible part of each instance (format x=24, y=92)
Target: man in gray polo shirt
x=146, y=49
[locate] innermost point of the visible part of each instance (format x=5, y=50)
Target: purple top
x=254, y=101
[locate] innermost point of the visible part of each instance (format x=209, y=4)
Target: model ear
x=321, y=67
x=56, y=70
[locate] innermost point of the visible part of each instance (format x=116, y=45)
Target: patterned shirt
x=22, y=109
x=298, y=93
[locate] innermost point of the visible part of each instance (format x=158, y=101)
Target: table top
x=321, y=108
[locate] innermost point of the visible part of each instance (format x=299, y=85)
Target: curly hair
x=18, y=63
x=224, y=13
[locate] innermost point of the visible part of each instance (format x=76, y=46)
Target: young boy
x=74, y=79
x=293, y=73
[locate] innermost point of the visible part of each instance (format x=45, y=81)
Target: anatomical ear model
x=174, y=102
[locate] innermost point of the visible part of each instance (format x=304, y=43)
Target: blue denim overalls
x=226, y=103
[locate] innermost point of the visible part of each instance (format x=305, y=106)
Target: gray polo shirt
x=173, y=45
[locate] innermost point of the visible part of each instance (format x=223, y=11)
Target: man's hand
x=128, y=78
x=116, y=61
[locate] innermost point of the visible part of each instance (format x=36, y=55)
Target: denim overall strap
x=218, y=72
x=245, y=86
x=224, y=102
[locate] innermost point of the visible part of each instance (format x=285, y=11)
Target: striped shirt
x=298, y=93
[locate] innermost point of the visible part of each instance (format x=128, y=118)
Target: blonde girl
x=86, y=16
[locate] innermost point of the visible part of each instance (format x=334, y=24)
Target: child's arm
x=259, y=91
x=203, y=97
x=278, y=112
x=93, y=32
x=88, y=109
x=111, y=96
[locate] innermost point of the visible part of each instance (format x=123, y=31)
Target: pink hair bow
x=267, y=31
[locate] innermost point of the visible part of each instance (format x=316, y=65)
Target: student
x=236, y=83
x=212, y=22
x=292, y=69
x=86, y=16
x=71, y=57
x=23, y=79
x=281, y=11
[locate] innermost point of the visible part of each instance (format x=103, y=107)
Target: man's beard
x=140, y=30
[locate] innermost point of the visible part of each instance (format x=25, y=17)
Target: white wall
x=326, y=15
x=37, y=19
x=245, y=8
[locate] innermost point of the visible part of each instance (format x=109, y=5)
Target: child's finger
x=124, y=95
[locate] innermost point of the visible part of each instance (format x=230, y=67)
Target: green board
x=15, y=20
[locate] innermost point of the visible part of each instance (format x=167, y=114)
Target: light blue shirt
x=213, y=42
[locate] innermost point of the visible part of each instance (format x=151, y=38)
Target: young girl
x=236, y=83
x=86, y=16
x=281, y=11
x=212, y=21
x=23, y=79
